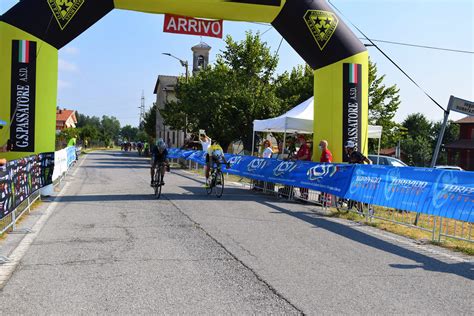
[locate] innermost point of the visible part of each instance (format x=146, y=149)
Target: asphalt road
x=110, y=247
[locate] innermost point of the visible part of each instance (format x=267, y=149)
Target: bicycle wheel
x=340, y=204
x=157, y=180
x=219, y=183
x=211, y=183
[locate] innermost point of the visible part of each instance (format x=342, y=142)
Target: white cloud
x=66, y=66
x=63, y=84
x=71, y=50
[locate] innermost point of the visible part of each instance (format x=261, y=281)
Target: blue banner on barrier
x=446, y=193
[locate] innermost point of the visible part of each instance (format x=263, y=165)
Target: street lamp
x=184, y=63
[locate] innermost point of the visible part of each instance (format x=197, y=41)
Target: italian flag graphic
x=353, y=73
x=24, y=51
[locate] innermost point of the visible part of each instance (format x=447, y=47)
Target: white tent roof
x=300, y=120
x=297, y=120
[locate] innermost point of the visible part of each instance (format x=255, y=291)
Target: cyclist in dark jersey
x=353, y=156
x=159, y=154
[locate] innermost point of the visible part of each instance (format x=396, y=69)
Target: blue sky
x=105, y=69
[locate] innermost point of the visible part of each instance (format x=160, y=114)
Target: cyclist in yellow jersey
x=214, y=155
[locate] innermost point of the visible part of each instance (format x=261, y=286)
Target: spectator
x=326, y=155
x=4, y=148
x=268, y=151
x=205, y=142
x=304, y=153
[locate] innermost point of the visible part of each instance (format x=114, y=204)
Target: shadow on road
x=463, y=269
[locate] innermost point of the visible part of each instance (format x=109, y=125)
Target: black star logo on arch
x=64, y=6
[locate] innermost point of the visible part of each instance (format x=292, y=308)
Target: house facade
x=65, y=119
x=461, y=152
x=165, y=92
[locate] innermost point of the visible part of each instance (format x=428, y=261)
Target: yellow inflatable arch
x=32, y=31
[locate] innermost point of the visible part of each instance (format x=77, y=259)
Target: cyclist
x=140, y=148
x=214, y=155
x=353, y=156
x=159, y=155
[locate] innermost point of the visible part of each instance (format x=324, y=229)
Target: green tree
x=110, y=130
x=83, y=120
x=129, y=133
x=418, y=145
x=225, y=99
x=89, y=133
x=64, y=136
x=149, y=122
x=295, y=87
x=383, y=105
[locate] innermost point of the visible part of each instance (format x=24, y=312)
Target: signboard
x=23, y=96
x=192, y=26
x=462, y=106
x=352, y=104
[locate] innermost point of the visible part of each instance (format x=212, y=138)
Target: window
x=200, y=61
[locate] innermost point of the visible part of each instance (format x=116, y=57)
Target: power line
x=386, y=56
x=422, y=46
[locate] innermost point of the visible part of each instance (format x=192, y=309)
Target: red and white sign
x=185, y=25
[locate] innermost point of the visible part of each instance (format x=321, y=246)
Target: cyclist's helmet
x=2, y=124
x=350, y=144
x=217, y=153
x=160, y=143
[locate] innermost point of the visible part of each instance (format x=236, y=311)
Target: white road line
x=7, y=269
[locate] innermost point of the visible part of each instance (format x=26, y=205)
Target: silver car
x=387, y=161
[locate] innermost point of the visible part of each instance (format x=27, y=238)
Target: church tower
x=200, y=56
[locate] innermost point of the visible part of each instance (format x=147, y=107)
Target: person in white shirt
x=268, y=151
x=205, y=142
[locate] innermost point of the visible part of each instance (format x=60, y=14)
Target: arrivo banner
x=186, y=25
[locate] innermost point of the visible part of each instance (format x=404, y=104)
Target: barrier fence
x=440, y=202
x=22, y=179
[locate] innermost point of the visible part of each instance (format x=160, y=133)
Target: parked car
x=387, y=161
x=449, y=168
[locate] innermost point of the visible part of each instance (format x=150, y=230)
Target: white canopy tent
x=297, y=120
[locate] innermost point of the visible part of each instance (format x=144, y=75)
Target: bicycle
x=158, y=179
x=216, y=180
x=346, y=205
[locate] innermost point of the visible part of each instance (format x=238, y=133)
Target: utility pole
x=142, y=111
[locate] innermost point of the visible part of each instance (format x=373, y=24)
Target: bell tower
x=200, y=56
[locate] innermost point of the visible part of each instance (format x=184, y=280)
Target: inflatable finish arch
x=32, y=31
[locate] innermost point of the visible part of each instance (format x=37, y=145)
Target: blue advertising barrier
x=446, y=193
x=71, y=155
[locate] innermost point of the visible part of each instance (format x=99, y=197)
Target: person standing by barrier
x=267, y=151
x=304, y=154
x=326, y=155
x=4, y=148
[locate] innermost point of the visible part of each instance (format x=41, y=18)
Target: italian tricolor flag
x=24, y=51
x=353, y=73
